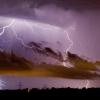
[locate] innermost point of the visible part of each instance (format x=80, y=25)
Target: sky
x=83, y=16
x=80, y=18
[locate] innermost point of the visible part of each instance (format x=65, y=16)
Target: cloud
x=68, y=4
x=26, y=6
x=53, y=15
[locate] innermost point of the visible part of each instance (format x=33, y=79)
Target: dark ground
x=53, y=92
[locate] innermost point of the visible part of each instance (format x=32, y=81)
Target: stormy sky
x=83, y=16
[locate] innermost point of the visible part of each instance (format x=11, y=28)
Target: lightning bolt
x=71, y=44
x=38, y=24
x=3, y=30
x=7, y=26
x=70, y=41
x=21, y=40
x=87, y=84
x=18, y=38
x=30, y=47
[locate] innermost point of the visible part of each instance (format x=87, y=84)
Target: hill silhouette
x=53, y=92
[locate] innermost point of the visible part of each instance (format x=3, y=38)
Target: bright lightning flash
x=71, y=44
x=39, y=25
x=3, y=30
x=87, y=84
x=7, y=26
x=70, y=40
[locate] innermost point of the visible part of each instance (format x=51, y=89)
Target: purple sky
x=82, y=15
x=86, y=33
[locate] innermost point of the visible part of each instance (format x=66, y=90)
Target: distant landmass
x=53, y=92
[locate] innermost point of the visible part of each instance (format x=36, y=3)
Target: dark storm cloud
x=27, y=8
x=66, y=4
x=69, y=4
